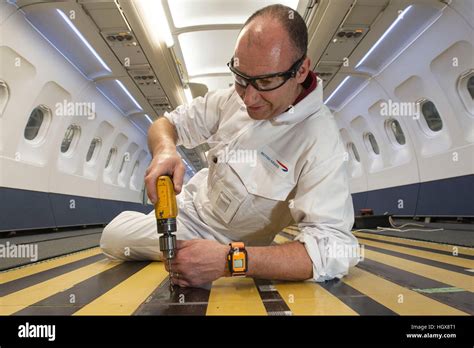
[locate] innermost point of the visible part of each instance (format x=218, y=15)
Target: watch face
x=238, y=263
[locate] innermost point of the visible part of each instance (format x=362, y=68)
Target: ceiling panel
x=187, y=13
x=215, y=82
x=202, y=56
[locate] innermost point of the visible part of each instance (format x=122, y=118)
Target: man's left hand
x=198, y=261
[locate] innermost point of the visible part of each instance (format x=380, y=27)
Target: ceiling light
x=128, y=93
x=337, y=89
x=156, y=22
x=399, y=18
x=148, y=118
x=83, y=39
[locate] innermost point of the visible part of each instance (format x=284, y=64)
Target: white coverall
x=262, y=175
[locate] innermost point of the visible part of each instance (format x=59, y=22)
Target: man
x=275, y=115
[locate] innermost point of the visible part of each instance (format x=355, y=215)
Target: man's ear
x=303, y=71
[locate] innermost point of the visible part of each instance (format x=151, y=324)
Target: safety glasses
x=267, y=82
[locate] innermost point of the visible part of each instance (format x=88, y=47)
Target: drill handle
x=165, y=207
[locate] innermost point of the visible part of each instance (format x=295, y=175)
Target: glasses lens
x=269, y=83
x=240, y=80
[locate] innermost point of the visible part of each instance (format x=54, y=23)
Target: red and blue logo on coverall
x=283, y=167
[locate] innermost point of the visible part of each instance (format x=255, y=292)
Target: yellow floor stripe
x=19, y=300
x=401, y=300
x=46, y=265
x=291, y=231
x=281, y=239
x=312, y=299
x=235, y=296
x=125, y=298
x=452, y=260
x=441, y=275
x=431, y=245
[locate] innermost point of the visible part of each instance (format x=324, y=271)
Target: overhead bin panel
x=142, y=121
x=406, y=27
x=146, y=80
x=67, y=30
x=116, y=92
x=125, y=46
x=106, y=15
x=349, y=86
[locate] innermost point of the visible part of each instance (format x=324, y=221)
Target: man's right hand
x=164, y=163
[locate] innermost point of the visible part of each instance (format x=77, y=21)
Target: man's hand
x=164, y=163
x=198, y=261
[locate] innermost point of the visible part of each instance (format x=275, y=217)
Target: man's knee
x=131, y=236
x=112, y=238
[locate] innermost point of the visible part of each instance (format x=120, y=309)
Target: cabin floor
x=399, y=275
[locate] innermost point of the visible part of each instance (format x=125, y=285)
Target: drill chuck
x=168, y=245
x=167, y=227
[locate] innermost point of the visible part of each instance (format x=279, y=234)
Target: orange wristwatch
x=237, y=259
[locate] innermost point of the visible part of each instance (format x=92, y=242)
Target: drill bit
x=171, y=275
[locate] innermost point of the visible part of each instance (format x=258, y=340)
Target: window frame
x=95, y=154
x=4, y=101
x=424, y=124
x=109, y=161
x=391, y=134
x=368, y=144
x=74, y=141
x=463, y=92
x=354, y=155
x=44, y=126
x=133, y=175
x=123, y=164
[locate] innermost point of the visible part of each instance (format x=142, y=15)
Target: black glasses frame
x=290, y=73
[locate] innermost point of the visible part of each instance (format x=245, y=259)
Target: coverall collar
x=304, y=108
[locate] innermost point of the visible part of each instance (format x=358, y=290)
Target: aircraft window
x=93, y=149
x=354, y=152
x=369, y=137
x=72, y=135
x=470, y=86
x=431, y=115
x=397, y=131
x=465, y=89
x=135, y=168
x=38, y=116
x=4, y=95
x=111, y=157
x=124, y=160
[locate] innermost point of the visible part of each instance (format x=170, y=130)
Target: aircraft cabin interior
x=83, y=81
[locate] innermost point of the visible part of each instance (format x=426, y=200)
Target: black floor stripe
x=360, y=303
x=271, y=298
x=460, y=300
x=182, y=301
x=442, y=252
x=446, y=266
x=22, y=283
x=84, y=292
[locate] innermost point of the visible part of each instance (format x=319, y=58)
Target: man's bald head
x=272, y=40
x=276, y=20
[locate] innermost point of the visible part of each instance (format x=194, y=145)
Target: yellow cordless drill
x=166, y=212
